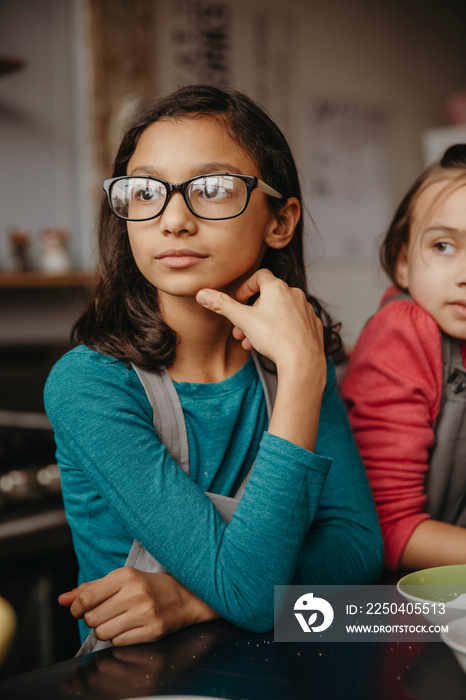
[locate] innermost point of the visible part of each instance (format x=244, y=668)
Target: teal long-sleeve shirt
x=305, y=517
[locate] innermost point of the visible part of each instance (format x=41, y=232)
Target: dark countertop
x=220, y=661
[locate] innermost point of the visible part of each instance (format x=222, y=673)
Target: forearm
x=344, y=544
x=282, y=326
x=270, y=526
x=340, y=553
x=434, y=543
x=213, y=558
x=298, y=402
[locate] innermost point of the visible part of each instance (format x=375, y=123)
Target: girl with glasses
x=202, y=281
x=406, y=380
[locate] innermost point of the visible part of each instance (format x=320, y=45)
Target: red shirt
x=392, y=390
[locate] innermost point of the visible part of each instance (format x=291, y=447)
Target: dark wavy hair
x=122, y=318
x=447, y=168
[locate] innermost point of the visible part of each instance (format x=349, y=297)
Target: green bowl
x=455, y=638
x=438, y=576
x=440, y=584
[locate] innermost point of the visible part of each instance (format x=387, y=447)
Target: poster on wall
x=236, y=43
x=346, y=175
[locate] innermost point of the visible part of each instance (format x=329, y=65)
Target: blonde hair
x=451, y=168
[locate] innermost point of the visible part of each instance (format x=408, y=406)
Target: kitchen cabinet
x=39, y=309
x=37, y=560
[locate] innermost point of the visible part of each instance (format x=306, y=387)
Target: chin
x=455, y=330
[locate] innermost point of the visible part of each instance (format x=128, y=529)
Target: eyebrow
x=203, y=169
x=446, y=230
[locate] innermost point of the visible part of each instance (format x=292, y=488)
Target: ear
x=283, y=224
x=401, y=268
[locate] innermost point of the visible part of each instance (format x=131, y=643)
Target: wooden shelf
x=34, y=280
x=9, y=65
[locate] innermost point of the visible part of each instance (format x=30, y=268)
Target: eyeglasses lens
x=217, y=196
x=211, y=197
x=138, y=198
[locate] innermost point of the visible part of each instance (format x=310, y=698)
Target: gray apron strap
x=169, y=423
x=399, y=296
x=168, y=419
x=446, y=479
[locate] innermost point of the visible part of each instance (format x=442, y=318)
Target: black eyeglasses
x=215, y=196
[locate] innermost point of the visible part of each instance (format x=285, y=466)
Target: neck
x=206, y=350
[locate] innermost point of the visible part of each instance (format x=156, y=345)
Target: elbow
x=370, y=560
x=254, y=615
x=361, y=558
x=257, y=626
x=372, y=572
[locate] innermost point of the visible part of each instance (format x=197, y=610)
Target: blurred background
x=367, y=94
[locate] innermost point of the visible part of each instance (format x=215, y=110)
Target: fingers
x=281, y=324
x=239, y=335
x=93, y=593
x=121, y=607
x=254, y=284
x=130, y=633
x=66, y=599
x=135, y=613
x=132, y=627
x=130, y=607
x=224, y=305
x=221, y=304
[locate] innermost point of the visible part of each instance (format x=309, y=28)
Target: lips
x=179, y=253
x=459, y=307
x=180, y=257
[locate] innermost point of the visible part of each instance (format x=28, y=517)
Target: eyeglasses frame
x=250, y=181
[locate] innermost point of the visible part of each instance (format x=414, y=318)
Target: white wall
x=42, y=162
x=405, y=55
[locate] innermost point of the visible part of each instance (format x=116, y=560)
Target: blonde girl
x=405, y=386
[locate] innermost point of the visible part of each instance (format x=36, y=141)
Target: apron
x=169, y=423
x=446, y=478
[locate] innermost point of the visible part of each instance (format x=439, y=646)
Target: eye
x=148, y=192
x=145, y=195
x=212, y=188
x=445, y=248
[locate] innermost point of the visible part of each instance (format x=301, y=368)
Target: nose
x=460, y=277
x=177, y=219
